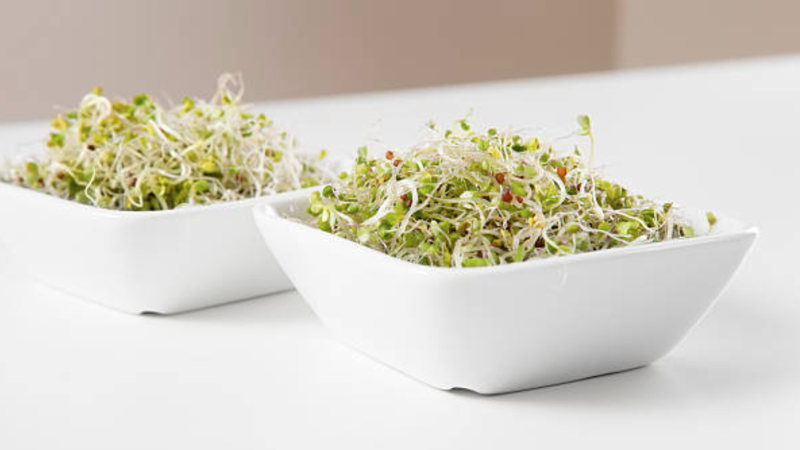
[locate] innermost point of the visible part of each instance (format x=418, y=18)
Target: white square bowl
x=506, y=328
x=142, y=261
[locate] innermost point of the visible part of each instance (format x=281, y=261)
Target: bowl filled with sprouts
x=497, y=261
x=147, y=208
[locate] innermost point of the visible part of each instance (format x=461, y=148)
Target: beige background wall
x=678, y=31
x=51, y=52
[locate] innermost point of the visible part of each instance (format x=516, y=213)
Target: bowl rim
x=269, y=212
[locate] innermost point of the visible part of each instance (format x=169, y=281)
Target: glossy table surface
x=265, y=374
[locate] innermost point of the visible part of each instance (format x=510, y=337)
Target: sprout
x=469, y=199
x=142, y=156
x=712, y=219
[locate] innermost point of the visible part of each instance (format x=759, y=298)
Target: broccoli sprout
x=140, y=156
x=467, y=199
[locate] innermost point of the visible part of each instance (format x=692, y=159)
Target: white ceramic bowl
x=512, y=327
x=159, y=261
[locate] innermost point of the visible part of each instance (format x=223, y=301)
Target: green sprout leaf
x=585, y=124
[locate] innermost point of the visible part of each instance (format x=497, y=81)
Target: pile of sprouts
x=466, y=199
x=141, y=156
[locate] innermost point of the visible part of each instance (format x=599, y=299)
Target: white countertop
x=265, y=374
